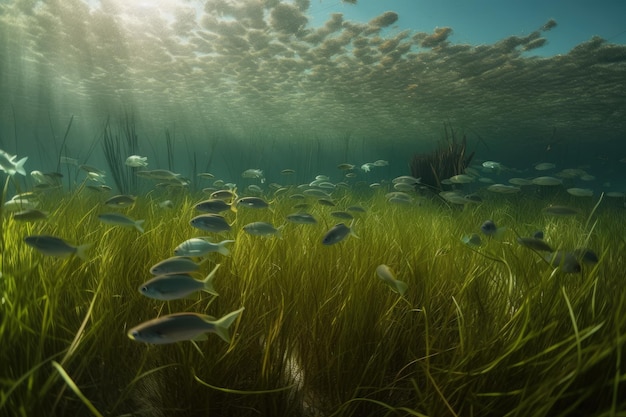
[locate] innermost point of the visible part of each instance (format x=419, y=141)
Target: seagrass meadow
x=294, y=208
x=485, y=330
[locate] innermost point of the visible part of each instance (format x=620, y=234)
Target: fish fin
x=352, y=223
x=400, y=287
x=222, y=325
x=138, y=225
x=19, y=166
x=201, y=337
x=208, y=281
x=233, y=207
x=221, y=247
x=82, y=249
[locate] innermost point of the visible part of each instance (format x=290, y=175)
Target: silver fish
x=214, y=206
x=385, y=274
x=176, y=286
x=301, y=218
x=199, y=246
x=117, y=219
x=54, y=246
x=183, y=326
x=262, y=229
x=210, y=223
x=122, y=200
x=174, y=265
x=336, y=234
x=252, y=202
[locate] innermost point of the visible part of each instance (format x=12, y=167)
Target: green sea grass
x=490, y=331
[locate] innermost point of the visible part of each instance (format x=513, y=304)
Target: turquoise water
x=254, y=85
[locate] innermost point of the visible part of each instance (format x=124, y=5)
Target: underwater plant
x=449, y=159
x=117, y=146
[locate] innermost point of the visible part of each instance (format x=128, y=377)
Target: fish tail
x=279, y=231
x=222, y=325
x=208, y=281
x=221, y=247
x=82, y=249
x=138, y=225
x=401, y=287
x=19, y=166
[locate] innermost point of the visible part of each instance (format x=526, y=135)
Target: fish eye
x=134, y=334
x=143, y=289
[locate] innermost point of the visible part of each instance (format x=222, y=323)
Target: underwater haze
x=299, y=208
x=301, y=71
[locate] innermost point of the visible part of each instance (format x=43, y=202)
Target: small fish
x=561, y=211
x=262, y=229
x=19, y=204
x=367, y=167
x=534, y=244
x=345, y=167
x=357, y=209
x=100, y=188
x=136, y=161
x=520, y=181
x=301, y=218
x=252, y=202
x=29, y=215
x=489, y=228
x=253, y=173
x=174, y=265
x=326, y=202
x=287, y=171
x=54, y=246
x=120, y=201
x=210, y=223
x=545, y=166
x=461, y=179
x=199, y=246
x=255, y=189
x=404, y=187
x=336, y=234
x=179, y=327
x=214, y=205
x=342, y=215
x=176, y=286
x=492, y=165
x=160, y=175
x=66, y=160
x=206, y=175
x=538, y=234
x=167, y=204
x=380, y=163
x=96, y=177
x=117, y=219
x=223, y=195
x=547, y=181
x=565, y=260
x=39, y=178
x=471, y=240
x=89, y=168
x=387, y=276
x=10, y=166
x=580, y=192
x=586, y=255
x=503, y=189
x=315, y=192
